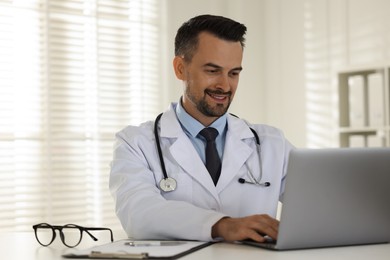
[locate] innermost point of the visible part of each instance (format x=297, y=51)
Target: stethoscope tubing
x=171, y=183
x=160, y=155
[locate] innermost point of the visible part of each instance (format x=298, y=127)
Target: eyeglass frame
x=62, y=235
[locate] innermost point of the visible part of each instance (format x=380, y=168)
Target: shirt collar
x=193, y=126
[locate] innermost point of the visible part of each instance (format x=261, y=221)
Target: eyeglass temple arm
x=93, y=237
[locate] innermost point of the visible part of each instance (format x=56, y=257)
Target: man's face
x=211, y=77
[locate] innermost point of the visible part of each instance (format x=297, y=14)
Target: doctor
x=184, y=202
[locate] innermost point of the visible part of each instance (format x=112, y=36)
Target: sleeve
x=287, y=149
x=280, y=147
x=142, y=210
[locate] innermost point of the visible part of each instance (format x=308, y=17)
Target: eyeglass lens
x=70, y=234
x=45, y=234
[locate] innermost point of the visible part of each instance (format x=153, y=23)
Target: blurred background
x=74, y=72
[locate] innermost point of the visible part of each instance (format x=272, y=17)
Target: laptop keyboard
x=269, y=243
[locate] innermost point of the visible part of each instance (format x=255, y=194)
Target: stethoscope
x=168, y=184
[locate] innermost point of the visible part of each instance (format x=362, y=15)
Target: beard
x=205, y=108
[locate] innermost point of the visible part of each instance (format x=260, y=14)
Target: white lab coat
x=196, y=205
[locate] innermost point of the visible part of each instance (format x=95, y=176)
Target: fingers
x=262, y=225
x=265, y=225
x=253, y=227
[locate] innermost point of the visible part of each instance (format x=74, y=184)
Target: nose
x=224, y=82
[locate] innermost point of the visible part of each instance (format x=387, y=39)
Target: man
x=237, y=202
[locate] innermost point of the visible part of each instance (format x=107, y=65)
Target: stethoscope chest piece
x=168, y=184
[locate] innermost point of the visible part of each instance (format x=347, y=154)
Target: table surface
x=22, y=245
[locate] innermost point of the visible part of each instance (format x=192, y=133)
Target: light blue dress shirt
x=192, y=127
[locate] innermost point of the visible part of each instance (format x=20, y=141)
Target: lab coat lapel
x=187, y=157
x=184, y=152
x=236, y=151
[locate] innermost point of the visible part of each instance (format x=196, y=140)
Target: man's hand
x=253, y=227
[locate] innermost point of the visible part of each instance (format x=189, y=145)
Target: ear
x=179, y=67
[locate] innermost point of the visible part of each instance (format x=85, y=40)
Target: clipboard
x=138, y=249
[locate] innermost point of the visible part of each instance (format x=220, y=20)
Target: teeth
x=218, y=97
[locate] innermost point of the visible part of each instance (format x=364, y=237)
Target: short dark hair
x=186, y=40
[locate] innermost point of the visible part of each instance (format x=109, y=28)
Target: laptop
x=334, y=197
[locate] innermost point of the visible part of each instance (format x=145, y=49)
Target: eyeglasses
x=70, y=234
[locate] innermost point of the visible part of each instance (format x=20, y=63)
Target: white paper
x=375, y=100
x=357, y=141
x=356, y=101
x=143, y=246
x=375, y=141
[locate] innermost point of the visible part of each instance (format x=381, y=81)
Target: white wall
x=339, y=35
x=272, y=88
x=284, y=88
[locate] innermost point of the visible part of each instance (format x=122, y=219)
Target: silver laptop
x=335, y=197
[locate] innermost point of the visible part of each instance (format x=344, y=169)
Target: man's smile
x=218, y=95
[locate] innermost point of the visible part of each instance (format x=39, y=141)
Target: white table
x=20, y=246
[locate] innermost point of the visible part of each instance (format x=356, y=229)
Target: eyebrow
x=219, y=67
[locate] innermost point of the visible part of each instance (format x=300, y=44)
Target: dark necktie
x=213, y=162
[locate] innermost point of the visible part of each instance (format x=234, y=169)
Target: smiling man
x=210, y=77
x=197, y=172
